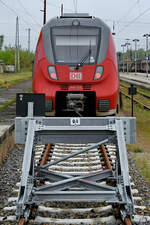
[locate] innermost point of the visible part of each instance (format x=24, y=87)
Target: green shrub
x=26, y=58
x=137, y=150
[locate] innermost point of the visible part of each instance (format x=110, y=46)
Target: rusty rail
x=107, y=161
x=22, y=221
x=127, y=221
x=136, y=101
x=46, y=153
x=138, y=92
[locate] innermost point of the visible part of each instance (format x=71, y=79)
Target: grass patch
x=143, y=163
x=137, y=150
x=141, y=150
x=144, y=91
x=10, y=102
x=7, y=80
x=7, y=103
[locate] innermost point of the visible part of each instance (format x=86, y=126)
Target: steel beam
x=55, y=176
x=123, y=181
x=27, y=181
x=96, y=196
x=88, y=130
x=80, y=180
x=74, y=154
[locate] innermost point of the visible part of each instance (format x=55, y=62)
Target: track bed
x=81, y=212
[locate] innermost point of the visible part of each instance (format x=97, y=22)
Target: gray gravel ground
x=141, y=184
x=10, y=175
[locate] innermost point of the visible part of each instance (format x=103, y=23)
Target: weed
x=140, y=151
x=7, y=103
x=137, y=150
x=7, y=80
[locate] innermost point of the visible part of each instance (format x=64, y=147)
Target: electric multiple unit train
x=76, y=67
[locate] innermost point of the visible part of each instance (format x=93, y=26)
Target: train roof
x=67, y=18
x=75, y=15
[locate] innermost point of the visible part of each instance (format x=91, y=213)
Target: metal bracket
x=60, y=129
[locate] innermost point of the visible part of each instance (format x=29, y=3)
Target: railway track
x=138, y=92
x=101, y=158
x=141, y=99
x=133, y=80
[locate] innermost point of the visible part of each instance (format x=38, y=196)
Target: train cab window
x=75, y=45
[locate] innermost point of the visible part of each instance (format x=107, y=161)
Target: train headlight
x=52, y=72
x=98, y=72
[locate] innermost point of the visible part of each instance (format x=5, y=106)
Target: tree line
x=7, y=56
x=141, y=54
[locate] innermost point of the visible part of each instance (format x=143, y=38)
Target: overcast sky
x=131, y=17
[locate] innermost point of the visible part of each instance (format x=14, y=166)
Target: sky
x=130, y=18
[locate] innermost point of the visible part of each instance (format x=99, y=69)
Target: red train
x=76, y=67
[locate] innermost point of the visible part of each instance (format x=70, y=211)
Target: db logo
x=75, y=76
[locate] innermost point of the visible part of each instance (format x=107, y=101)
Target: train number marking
x=75, y=76
x=75, y=121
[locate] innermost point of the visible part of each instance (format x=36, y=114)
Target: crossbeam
x=55, y=176
x=67, y=183
x=74, y=154
x=75, y=196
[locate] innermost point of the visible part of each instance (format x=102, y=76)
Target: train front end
x=75, y=66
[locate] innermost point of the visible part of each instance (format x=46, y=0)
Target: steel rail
x=103, y=150
x=139, y=92
x=22, y=221
x=106, y=159
x=127, y=220
x=136, y=101
x=136, y=83
x=46, y=154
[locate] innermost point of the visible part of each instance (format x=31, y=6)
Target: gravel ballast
x=10, y=172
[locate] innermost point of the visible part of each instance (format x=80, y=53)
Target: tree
x=8, y=57
x=1, y=41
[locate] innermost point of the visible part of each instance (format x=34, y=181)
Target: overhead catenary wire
x=125, y=22
x=132, y=21
x=16, y=14
x=128, y=12
x=29, y=14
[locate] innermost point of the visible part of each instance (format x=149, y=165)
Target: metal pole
x=127, y=58
x=44, y=19
x=29, y=39
x=62, y=10
x=120, y=100
x=147, y=55
x=127, y=44
x=123, y=56
x=135, y=40
x=135, y=55
x=146, y=36
x=132, y=105
x=16, y=46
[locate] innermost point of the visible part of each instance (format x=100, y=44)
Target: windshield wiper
x=84, y=58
